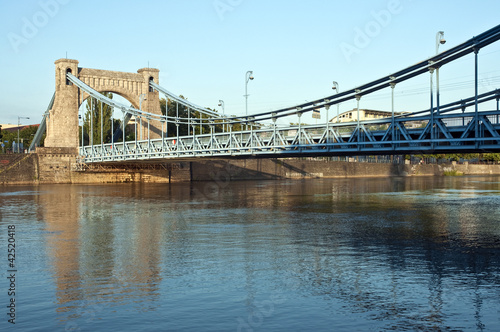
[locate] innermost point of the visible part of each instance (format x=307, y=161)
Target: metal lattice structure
x=458, y=127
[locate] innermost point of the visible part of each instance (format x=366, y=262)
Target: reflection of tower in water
x=100, y=251
x=60, y=205
x=137, y=243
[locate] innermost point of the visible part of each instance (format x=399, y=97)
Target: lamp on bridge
x=221, y=104
x=439, y=41
x=19, y=125
x=248, y=76
x=336, y=88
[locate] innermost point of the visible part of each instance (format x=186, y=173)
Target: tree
x=175, y=109
x=171, y=109
x=92, y=121
x=491, y=156
x=26, y=136
x=181, y=111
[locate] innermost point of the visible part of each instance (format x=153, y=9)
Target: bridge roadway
x=452, y=133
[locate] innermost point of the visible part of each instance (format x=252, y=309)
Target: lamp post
x=336, y=88
x=19, y=125
x=248, y=76
x=221, y=104
x=439, y=40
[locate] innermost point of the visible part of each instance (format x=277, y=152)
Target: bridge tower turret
x=62, y=124
x=150, y=102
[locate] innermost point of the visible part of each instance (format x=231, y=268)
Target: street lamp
x=248, y=76
x=336, y=88
x=221, y=104
x=19, y=125
x=439, y=40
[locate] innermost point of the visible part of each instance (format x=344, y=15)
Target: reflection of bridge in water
x=119, y=244
x=466, y=125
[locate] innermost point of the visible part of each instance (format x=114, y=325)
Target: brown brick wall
x=57, y=165
x=18, y=168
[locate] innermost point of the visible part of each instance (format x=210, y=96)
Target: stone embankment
x=60, y=165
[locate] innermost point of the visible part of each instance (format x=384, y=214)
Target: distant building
x=364, y=114
x=12, y=127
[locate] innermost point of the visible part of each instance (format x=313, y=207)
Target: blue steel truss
x=456, y=127
x=453, y=133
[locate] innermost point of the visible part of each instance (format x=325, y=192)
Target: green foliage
x=28, y=133
x=92, y=121
x=463, y=156
x=7, y=139
x=129, y=133
x=175, y=109
x=453, y=172
x=491, y=156
x=26, y=136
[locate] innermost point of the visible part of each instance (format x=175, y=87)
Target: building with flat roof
x=13, y=127
x=364, y=114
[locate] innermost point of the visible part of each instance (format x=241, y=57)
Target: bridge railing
x=370, y=137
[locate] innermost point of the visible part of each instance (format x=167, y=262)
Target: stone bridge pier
x=62, y=123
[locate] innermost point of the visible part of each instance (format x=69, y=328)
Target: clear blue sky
x=203, y=48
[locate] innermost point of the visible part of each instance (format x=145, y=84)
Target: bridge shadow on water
x=294, y=168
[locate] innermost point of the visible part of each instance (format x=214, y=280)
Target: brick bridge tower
x=62, y=124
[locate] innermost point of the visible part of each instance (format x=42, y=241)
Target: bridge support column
x=299, y=136
x=476, y=117
x=393, y=129
x=431, y=124
x=358, y=127
x=327, y=107
x=62, y=125
x=498, y=108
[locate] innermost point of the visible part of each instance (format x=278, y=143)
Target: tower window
x=150, y=87
x=68, y=82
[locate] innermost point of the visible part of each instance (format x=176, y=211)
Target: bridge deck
x=451, y=133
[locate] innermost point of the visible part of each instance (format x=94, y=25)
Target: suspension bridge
x=467, y=125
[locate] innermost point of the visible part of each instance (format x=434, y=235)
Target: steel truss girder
x=454, y=133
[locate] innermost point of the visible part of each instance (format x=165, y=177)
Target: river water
x=383, y=254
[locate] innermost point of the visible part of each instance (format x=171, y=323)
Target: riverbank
x=61, y=166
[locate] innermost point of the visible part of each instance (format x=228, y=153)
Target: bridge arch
x=129, y=98
x=62, y=123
